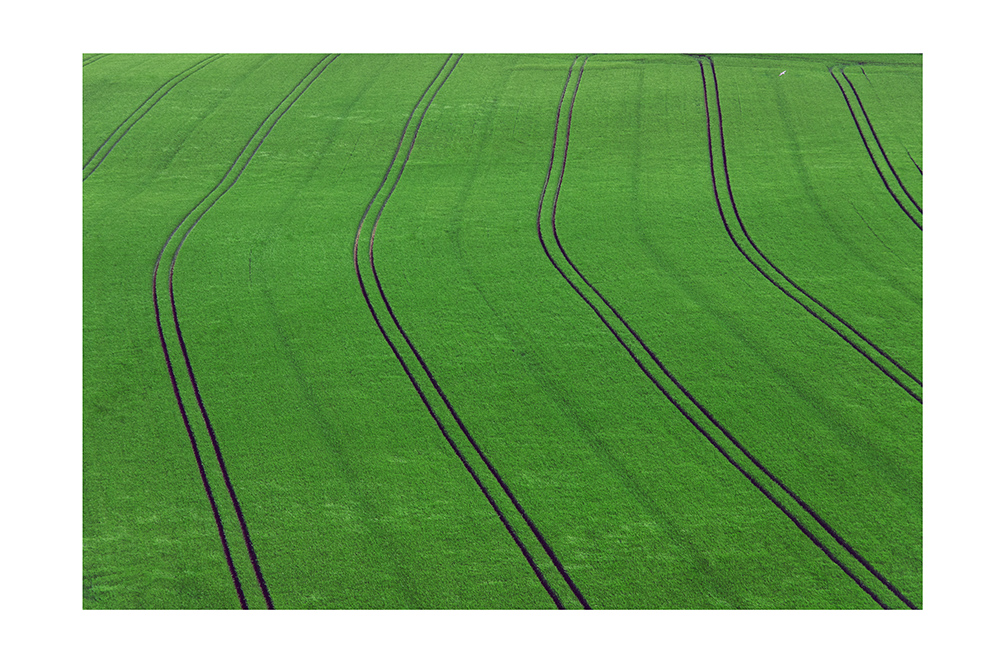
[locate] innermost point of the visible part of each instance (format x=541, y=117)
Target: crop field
x=478, y=331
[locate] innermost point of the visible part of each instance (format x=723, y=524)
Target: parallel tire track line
x=729, y=458
x=870, y=154
x=245, y=155
x=914, y=162
x=423, y=397
x=94, y=58
x=140, y=112
x=877, y=141
x=194, y=448
x=909, y=390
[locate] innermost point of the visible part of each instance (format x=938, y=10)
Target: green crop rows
x=502, y=331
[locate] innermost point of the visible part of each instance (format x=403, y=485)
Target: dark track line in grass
x=732, y=199
x=867, y=565
x=729, y=188
x=871, y=229
x=878, y=142
x=914, y=162
x=208, y=424
x=94, y=58
x=218, y=191
x=869, y=150
x=732, y=237
x=371, y=308
x=861, y=67
x=194, y=443
x=733, y=462
x=131, y=121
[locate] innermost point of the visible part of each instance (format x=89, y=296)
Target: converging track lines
x=808, y=521
x=901, y=376
x=871, y=155
x=139, y=113
x=190, y=221
x=481, y=482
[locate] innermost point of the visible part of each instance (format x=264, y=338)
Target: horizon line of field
x=844, y=334
x=871, y=155
x=194, y=216
x=701, y=429
x=478, y=477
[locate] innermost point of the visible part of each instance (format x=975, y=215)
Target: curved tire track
x=437, y=420
x=840, y=540
x=227, y=181
x=94, y=58
x=878, y=142
x=870, y=154
x=725, y=167
x=139, y=113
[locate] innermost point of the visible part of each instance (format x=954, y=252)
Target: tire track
x=192, y=218
x=867, y=225
x=730, y=458
x=865, y=74
x=869, y=150
x=546, y=584
x=139, y=113
x=94, y=58
x=194, y=447
x=878, y=142
x=859, y=337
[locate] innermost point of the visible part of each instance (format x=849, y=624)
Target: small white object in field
x=782, y=73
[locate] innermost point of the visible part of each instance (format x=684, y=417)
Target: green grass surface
x=352, y=495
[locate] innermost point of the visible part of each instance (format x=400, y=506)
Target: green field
x=502, y=331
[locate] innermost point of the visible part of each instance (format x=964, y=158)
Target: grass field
x=502, y=331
